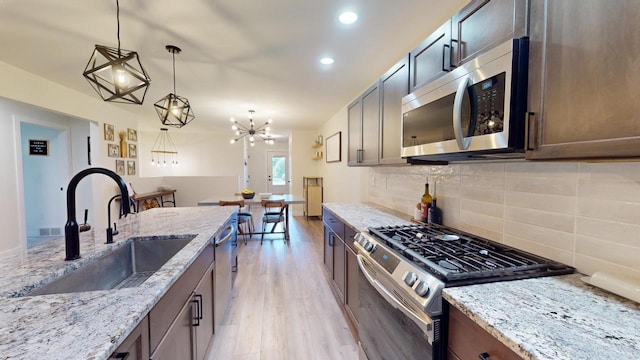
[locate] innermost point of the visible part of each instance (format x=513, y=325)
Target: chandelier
x=115, y=74
x=163, y=149
x=252, y=131
x=172, y=109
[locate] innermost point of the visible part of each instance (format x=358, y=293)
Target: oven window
x=429, y=123
x=386, y=333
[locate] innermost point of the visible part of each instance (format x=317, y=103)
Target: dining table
x=289, y=199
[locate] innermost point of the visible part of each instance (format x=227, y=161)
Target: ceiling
x=236, y=54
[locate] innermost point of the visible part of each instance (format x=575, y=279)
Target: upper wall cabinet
x=583, y=79
x=483, y=24
x=364, y=122
x=432, y=58
x=394, y=85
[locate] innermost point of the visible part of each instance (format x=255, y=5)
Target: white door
x=278, y=172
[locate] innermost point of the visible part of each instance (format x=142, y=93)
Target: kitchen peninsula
x=91, y=325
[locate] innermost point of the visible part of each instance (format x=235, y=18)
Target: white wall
x=582, y=214
x=341, y=182
x=23, y=87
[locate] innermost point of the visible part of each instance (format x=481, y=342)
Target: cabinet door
x=432, y=58
x=467, y=340
x=483, y=24
x=339, y=267
x=329, y=240
x=178, y=342
x=370, y=125
x=204, y=328
x=583, y=103
x=394, y=85
x=136, y=345
x=354, y=127
x=352, y=293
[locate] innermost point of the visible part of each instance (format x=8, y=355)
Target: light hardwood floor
x=282, y=306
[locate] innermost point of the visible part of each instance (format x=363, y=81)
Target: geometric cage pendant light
x=164, y=151
x=117, y=75
x=172, y=109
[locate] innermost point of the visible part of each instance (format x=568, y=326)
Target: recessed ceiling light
x=348, y=17
x=327, y=61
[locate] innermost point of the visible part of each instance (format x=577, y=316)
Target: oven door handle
x=427, y=328
x=463, y=142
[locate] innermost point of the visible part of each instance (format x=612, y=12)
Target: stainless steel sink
x=127, y=266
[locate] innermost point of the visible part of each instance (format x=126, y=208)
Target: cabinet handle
x=444, y=48
x=531, y=130
x=484, y=356
x=451, y=62
x=198, y=301
x=120, y=355
x=359, y=155
x=330, y=240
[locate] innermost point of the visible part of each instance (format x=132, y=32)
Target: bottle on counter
x=435, y=213
x=425, y=202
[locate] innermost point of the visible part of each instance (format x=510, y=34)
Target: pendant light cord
x=118, y=18
x=174, y=71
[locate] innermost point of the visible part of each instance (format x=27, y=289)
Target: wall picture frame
x=131, y=167
x=120, y=167
x=109, y=132
x=113, y=150
x=334, y=148
x=132, y=135
x=133, y=151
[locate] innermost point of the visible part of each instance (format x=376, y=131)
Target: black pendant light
x=117, y=75
x=172, y=109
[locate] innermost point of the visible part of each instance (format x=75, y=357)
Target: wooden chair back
x=238, y=203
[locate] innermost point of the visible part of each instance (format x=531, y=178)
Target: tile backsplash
x=583, y=214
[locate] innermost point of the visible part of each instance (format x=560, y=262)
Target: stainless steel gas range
x=404, y=269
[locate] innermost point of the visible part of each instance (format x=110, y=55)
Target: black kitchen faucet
x=71, y=231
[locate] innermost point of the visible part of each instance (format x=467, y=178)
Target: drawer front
x=333, y=222
x=349, y=237
x=163, y=314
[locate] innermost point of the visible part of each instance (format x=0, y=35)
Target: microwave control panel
x=489, y=109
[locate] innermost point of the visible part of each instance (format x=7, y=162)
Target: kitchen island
x=91, y=325
x=546, y=318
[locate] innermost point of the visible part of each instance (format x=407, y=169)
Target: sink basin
x=127, y=266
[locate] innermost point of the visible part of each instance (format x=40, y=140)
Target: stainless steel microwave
x=476, y=111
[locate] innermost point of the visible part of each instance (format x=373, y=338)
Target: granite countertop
x=550, y=318
x=91, y=325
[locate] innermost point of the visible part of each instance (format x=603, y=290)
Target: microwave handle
x=463, y=142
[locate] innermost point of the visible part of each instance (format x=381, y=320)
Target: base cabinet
x=342, y=266
x=178, y=342
x=467, y=340
x=136, y=346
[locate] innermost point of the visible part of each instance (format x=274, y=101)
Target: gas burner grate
x=459, y=258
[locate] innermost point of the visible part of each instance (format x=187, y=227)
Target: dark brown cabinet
x=483, y=24
x=342, y=267
x=467, y=340
x=432, y=58
x=136, y=345
x=352, y=274
x=394, y=85
x=583, y=84
x=363, y=122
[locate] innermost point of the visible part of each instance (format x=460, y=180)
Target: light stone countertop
x=550, y=318
x=91, y=325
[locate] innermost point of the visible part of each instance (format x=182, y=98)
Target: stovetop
x=458, y=258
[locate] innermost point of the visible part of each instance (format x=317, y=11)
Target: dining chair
x=274, y=213
x=245, y=218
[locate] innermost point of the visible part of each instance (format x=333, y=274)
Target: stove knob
x=410, y=278
x=369, y=246
x=422, y=289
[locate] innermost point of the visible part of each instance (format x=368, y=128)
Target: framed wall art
x=114, y=150
x=132, y=135
x=133, y=151
x=131, y=167
x=120, y=167
x=334, y=147
x=108, y=132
